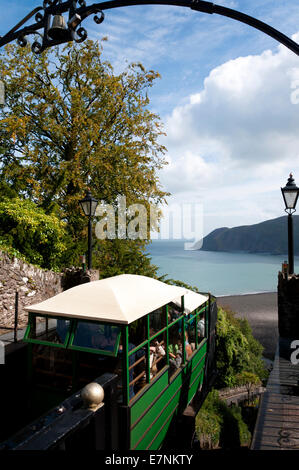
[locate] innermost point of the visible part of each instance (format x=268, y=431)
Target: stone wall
x=288, y=306
x=33, y=285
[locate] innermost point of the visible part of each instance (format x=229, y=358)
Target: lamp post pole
x=89, y=205
x=290, y=195
x=89, y=258
x=290, y=244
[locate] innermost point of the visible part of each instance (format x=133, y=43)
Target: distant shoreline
x=221, y=273
x=246, y=293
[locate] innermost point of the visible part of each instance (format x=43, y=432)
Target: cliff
x=270, y=236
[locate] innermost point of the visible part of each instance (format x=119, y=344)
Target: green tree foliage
x=250, y=380
x=239, y=362
x=208, y=422
x=70, y=123
x=123, y=256
x=175, y=282
x=25, y=228
x=237, y=350
x=218, y=425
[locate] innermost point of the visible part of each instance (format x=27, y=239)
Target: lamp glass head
x=290, y=193
x=89, y=204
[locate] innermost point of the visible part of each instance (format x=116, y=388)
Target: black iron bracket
x=74, y=31
x=78, y=11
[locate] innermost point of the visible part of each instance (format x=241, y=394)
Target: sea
x=220, y=273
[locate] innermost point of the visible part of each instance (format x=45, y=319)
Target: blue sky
x=227, y=97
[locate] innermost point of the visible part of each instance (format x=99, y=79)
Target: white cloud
x=234, y=142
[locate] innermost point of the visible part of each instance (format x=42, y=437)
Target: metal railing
x=73, y=426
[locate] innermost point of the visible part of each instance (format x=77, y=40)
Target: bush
x=235, y=432
x=208, y=422
x=237, y=350
x=26, y=230
x=239, y=362
x=218, y=425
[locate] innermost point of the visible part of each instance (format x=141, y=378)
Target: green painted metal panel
x=196, y=372
x=148, y=396
x=194, y=386
x=154, y=439
x=151, y=421
x=198, y=359
x=203, y=349
x=198, y=365
x=154, y=421
x=160, y=436
x=152, y=413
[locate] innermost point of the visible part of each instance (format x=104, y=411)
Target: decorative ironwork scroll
x=48, y=18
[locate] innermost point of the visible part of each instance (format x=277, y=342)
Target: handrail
x=137, y=362
x=56, y=429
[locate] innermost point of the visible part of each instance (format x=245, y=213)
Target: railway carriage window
x=137, y=370
x=138, y=331
x=201, y=327
x=96, y=337
x=157, y=354
x=157, y=320
x=174, y=312
x=175, y=346
x=63, y=327
x=48, y=330
x=191, y=333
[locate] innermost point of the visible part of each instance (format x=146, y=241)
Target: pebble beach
x=261, y=313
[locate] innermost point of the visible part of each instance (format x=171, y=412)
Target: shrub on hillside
x=218, y=425
x=237, y=350
x=26, y=229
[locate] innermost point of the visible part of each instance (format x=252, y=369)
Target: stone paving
x=277, y=425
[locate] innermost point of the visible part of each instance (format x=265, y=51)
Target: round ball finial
x=92, y=396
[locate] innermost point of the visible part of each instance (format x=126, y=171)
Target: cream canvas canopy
x=119, y=299
x=192, y=300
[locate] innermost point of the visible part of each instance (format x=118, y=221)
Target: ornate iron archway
x=78, y=11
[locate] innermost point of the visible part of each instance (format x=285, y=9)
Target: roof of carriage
x=192, y=300
x=118, y=299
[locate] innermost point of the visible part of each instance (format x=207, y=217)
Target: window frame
x=32, y=316
x=103, y=352
x=195, y=315
x=68, y=342
x=146, y=344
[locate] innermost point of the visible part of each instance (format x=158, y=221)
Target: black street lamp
x=290, y=195
x=89, y=205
